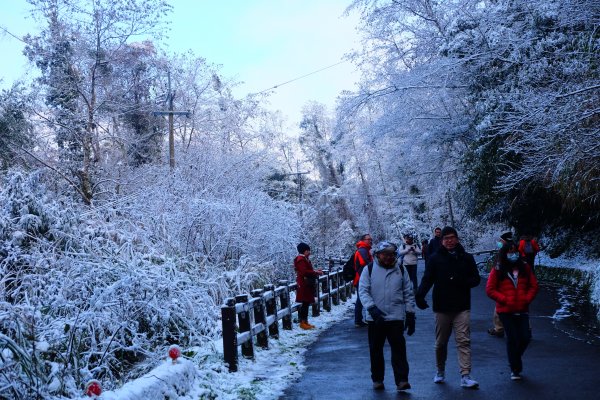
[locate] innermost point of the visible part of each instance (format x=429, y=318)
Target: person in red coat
x=306, y=278
x=513, y=286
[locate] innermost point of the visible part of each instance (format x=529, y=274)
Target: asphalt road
x=555, y=366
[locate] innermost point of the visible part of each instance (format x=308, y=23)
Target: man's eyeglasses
x=449, y=238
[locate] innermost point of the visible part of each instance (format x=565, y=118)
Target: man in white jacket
x=387, y=294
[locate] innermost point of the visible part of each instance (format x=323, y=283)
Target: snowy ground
x=577, y=262
x=206, y=377
x=581, y=263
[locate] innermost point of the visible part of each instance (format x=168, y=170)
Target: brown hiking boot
x=305, y=325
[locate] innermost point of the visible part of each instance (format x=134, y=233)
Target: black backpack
x=348, y=272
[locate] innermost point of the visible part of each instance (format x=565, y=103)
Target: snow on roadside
x=206, y=377
x=580, y=262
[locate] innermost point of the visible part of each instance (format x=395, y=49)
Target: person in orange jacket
x=513, y=286
x=528, y=248
x=306, y=277
x=362, y=257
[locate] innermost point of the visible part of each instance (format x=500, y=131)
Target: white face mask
x=512, y=257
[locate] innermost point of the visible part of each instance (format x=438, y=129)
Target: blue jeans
x=358, y=310
x=518, y=337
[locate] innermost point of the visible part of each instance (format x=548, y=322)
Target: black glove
x=421, y=303
x=376, y=314
x=410, y=323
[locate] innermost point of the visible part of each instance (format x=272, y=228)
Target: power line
x=301, y=77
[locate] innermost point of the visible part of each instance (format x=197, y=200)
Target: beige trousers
x=498, y=327
x=445, y=323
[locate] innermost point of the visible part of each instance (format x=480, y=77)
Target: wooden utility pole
x=171, y=113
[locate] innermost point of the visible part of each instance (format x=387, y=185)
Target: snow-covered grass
x=585, y=270
x=205, y=376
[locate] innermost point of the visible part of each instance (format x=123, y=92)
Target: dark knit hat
x=507, y=236
x=448, y=230
x=302, y=247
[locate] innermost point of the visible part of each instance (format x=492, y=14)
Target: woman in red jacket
x=306, y=278
x=514, y=287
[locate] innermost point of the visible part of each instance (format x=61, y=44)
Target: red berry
x=93, y=388
x=174, y=352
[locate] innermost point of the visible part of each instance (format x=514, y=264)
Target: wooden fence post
x=335, y=287
x=228, y=317
x=284, y=301
x=271, y=305
x=245, y=325
x=260, y=317
x=326, y=290
x=316, y=307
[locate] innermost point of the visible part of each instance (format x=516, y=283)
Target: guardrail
x=255, y=318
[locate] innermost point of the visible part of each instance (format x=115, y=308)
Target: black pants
x=303, y=311
x=358, y=310
x=393, y=331
x=518, y=337
x=412, y=274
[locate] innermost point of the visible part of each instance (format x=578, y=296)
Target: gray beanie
x=385, y=246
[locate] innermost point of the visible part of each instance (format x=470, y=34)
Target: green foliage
x=15, y=127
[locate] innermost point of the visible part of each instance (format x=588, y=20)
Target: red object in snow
x=174, y=353
x=93, y=388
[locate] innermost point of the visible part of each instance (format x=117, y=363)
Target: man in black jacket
x=435, y=243
x=452, y=272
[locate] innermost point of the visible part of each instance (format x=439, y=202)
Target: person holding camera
x=410, y=253
x=387, y=295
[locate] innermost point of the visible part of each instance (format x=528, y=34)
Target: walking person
x=424, y=249
x=528, y=248
x=362, y=257
x=513, y=286
x=435, y=243
x=306, y=278
x=388, y=297
x=410, y=253
x=452, y=272
x=497, y=328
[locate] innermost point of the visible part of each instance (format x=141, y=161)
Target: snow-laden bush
x=101, y=293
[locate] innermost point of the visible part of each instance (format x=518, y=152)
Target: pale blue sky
x=259, y=42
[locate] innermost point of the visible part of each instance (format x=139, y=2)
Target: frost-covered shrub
x=101, y=293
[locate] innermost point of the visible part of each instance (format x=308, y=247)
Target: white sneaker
x=439, y=377
x=467, y=382
x=515, y=376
